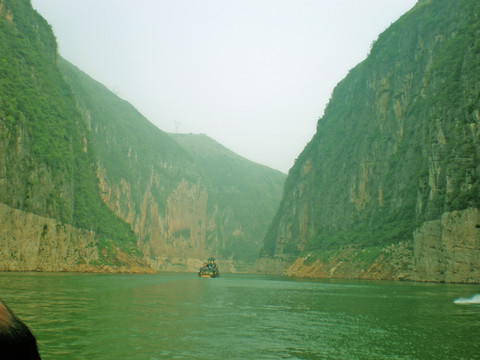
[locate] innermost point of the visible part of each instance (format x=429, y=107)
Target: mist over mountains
x=78, y=159
x=388, y=187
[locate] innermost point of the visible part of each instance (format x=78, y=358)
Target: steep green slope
x=47, y=166
x=184, y=202
x=127, y=145
x=248, y=194
x=145, y=177
x=89, y=184
x=398, y=145
x=37, y=117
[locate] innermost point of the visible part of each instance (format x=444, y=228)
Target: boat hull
x=208, y=274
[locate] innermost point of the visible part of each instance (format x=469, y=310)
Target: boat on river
x=209, y=269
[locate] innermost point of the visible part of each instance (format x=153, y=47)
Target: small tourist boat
x=209, y=269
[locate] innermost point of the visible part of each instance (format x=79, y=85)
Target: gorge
x=388, y=188
x=89, y=184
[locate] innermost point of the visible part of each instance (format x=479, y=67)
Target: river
x=181, y=316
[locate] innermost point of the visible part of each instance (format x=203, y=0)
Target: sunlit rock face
x=395, y=159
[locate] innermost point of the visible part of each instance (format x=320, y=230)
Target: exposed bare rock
x=392, y=262
x=271, y=266
x=33, y=243
x=30, y=242
x=448, y=249
x=444, y=250
x=392, y=171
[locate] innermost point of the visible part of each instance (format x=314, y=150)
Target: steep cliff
x=184, y=199
x=144, y=176
x=38, y=125
x=247, y=195
x=47, y=167
x=88, y=184
x=393, y=168
x=29, y=242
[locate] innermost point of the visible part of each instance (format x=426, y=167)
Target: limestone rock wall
x=394, y=262
x=395, y=160
x=172, y=236
x=448, y=249
x=30, y=242
x=443, y=250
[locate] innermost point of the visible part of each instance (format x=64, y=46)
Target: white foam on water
x=475, y=299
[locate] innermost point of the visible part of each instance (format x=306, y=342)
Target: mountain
x=89, y=184
x=52, y=214
x=247, y=194
x=185, y=197
x=389, y=186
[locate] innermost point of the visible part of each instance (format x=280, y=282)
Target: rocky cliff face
x=175, y=230
x=174, y=192
x=395, y=155
x=28, y=179
x=179, y=235
x=88, y=184
x=34, y=243
x=448, y=249
x=31, y=242
x=443, y=250
x=47, y=167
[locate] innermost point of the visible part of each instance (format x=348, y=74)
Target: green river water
x=181, y=316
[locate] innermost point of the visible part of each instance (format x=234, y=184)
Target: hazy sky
x=255, y=75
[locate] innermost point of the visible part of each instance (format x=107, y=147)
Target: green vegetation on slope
x=241, y=195
x=140, y=166
x=399, y=142
x=36, y=112
x=247, y=193
x=73, y=151
x=48, y=165
x=127, y=145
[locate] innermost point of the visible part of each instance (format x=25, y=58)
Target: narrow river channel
x=181, y=316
